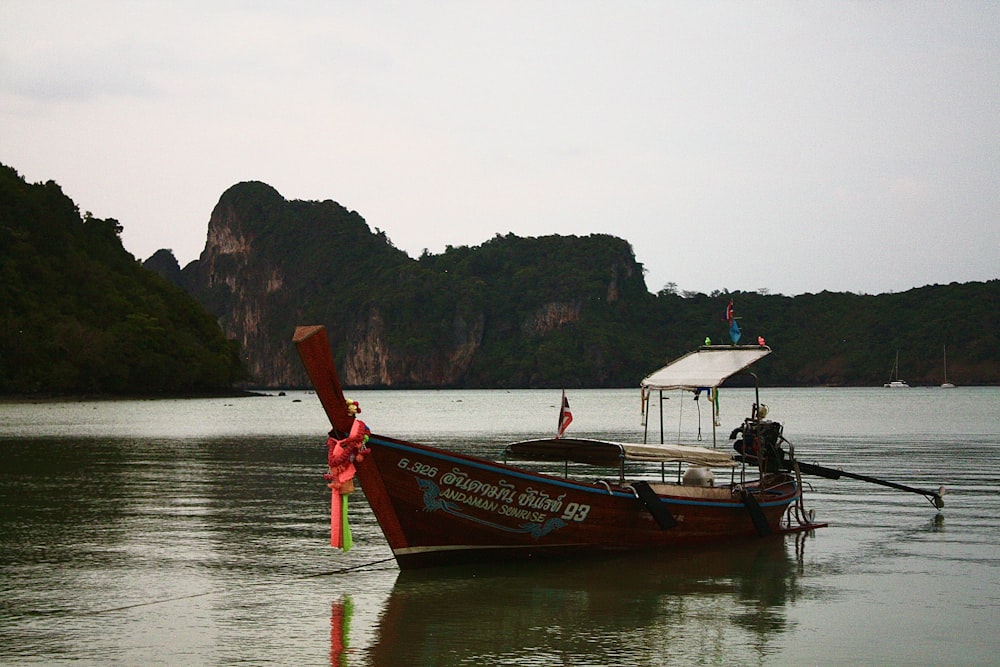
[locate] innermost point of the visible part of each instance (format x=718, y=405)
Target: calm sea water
x=196, y=532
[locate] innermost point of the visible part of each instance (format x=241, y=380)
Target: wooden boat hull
x=437, y=507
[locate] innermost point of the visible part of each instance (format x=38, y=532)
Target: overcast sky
x=788, y=146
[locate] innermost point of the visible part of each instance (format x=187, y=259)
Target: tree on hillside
x=79, y=314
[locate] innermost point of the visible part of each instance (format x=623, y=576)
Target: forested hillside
x=852, y=339
x=819, y=339
x=79, y=314
x=557, y=310
x=542, y=312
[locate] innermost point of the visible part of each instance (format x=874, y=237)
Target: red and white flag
x=565, y=416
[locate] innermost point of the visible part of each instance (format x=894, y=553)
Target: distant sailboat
x=946, y=384
x=894, y=381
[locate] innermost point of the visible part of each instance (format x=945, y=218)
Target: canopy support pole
x=661, y=416
x=712, y=393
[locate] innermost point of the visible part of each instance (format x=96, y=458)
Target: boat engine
x=759, y=441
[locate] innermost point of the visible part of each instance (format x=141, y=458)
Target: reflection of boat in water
x=689, y=606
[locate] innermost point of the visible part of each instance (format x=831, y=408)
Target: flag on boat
x=565, y=416
x=734, y=328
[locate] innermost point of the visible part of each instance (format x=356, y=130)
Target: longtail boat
x=438, y=507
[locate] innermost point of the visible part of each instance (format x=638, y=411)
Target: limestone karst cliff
x=446, y=320
x=548, y=311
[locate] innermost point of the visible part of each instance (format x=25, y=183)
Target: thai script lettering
x=503, y=491
x=540, y=500
x=531, y=510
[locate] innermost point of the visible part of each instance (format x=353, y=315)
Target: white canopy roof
x=604, y=453
x=708, y=366
x=702, y=456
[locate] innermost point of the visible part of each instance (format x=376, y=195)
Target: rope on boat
x=151, y=603
x=345, y=570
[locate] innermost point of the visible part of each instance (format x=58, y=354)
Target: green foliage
x=819, y=339
x=558, y=310
x=333, y=269
x=564, y=311
x=844, y=339
x=79, y=314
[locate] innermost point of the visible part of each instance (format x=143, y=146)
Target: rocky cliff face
x=549, y=317
x=372, y=360
x=241, y=281
x=271, y=264
x=554, y=311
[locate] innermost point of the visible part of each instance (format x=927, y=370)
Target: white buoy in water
x=699, y=476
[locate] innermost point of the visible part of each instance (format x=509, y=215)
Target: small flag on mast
x=734, y=328
x=565, y=416
x=734, y=332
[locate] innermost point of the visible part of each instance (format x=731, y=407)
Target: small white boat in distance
x=894, y=381
x=946, y=384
